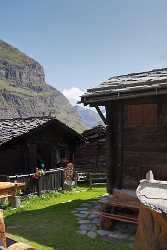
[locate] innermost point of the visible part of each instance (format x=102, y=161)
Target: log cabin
x=90, y=156
x=25, y=143
x=136, y=125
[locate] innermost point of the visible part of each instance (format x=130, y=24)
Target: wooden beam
x=119, y=145
x=101, y=114
x=114, y=130
x=110, y=149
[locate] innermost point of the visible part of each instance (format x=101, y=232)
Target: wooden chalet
x=24, y=143
x=136, y=123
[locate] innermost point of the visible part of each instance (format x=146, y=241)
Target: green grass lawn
x=47, y=222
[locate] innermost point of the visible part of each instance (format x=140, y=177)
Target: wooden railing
x=51, y=180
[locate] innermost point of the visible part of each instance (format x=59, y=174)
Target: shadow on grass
x=55, y=227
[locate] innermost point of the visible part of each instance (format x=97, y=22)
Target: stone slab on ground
x=89, y=220
x=92, y=216
x=96, y=221
x=81, y=215
x=81, y=209
x=103, y=232
x=83, y=232
x=91, y=234
x=84, y=221
x=118, y=235
x=85, y=227
x=94, y=228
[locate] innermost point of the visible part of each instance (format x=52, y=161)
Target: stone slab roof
x=123, y=86
x=95, y=133
x=13, y=128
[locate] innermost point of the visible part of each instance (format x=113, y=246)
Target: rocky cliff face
x=24, y=92
x=22, y=75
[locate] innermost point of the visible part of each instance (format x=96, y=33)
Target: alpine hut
x=25, y=143
x=136, y=124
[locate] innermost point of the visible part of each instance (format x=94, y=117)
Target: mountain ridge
x=25, y=93
x=88, y=116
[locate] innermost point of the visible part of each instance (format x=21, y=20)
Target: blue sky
x=82, y=42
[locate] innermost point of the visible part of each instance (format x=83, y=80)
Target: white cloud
x=73, y=94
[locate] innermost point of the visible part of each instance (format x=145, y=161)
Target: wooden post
x=109, y=151
x=119, y=145
x=114, y=118
x=97, y=153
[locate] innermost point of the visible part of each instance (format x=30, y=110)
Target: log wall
x=91, y=156
x=146, y=148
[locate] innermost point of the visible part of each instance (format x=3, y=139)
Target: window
x=142, y=115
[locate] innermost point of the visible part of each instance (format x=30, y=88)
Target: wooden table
x=7, y=189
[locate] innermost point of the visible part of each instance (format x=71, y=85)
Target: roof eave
x=101, y=99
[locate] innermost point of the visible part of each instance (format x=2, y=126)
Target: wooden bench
x=123, y=208
x=97, y=179
x=123, y=218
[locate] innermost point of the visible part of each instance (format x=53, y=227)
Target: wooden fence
x=51, y=180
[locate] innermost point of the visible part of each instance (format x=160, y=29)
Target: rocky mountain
x=88, y=116
x=24, y=92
